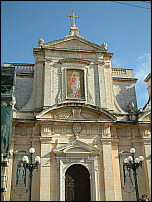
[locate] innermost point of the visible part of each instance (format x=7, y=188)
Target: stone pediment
x=145, y=114
x=76, y=113
x=145, y=117
x=74, y=43
x=77, y=148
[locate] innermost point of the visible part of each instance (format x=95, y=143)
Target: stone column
x=45, y=169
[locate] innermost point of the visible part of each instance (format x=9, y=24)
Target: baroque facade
x=81, y=116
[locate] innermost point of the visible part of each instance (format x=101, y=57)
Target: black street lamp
x=31, y=166
x=132, y=163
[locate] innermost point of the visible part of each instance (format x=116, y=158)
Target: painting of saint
x=75, y=84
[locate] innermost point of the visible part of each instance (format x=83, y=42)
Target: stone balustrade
x=122, y=73
x=20, y=66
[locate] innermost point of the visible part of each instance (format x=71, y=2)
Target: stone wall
x=23, y=90
x=124, y=92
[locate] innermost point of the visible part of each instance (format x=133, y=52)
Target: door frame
x=64, y=164
x=77, y=152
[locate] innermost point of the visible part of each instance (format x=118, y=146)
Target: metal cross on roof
x=73, y=16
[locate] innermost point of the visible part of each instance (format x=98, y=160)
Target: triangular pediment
x=70, y=113
x=76, y=147
x=74, y=43
x=145, y=117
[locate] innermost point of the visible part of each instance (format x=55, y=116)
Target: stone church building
x=80, y=114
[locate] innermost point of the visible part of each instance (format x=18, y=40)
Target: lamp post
x=133, y=163
x=31, y=166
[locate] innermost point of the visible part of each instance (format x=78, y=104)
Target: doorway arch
x=77, y=183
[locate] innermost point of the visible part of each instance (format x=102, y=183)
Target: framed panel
x=75, y=84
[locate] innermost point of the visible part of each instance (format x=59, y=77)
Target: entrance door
x=77, y=183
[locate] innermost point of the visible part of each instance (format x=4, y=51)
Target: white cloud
x=143, y=67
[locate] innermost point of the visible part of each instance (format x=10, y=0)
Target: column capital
x=106, y=141
x=45, y=140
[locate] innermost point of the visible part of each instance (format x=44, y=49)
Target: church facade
x=80, y=114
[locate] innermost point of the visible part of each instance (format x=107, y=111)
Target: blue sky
x=125, y=28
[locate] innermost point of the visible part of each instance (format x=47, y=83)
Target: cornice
x=124, y=79
x=71, y=38
x=69, y=60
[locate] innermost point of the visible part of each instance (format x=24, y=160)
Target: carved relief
x=20, y=182
x=61, y=116
x=146, y=132
x=76, y=113
x=76, y=129
x=127, y=178
x=87, y=115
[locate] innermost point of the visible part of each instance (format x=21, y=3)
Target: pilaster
x=102, y=91
x=48, y=82
x=108, y=84
x=116, y=170
x=146, y=153
x=108, y=170
x=45, y=170
x=38, y=81
x=108, y=164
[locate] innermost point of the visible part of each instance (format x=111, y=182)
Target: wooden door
x=77, y=183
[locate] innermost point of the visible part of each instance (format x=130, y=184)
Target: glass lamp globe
x=32, y=150
x=130, y=158
x=141, y=158
x=132, y=150
x=37, y=159
x=137, y=160
x=125, y=160
x=25, y=159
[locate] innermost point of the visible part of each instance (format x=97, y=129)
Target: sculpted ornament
x=76, y=129
x=20, y=186
x=131, y=111
x=104, y=45
x=40, y=42
x=128, y=182
x=131, y=106
x=61, y=116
